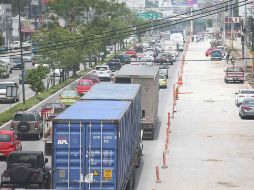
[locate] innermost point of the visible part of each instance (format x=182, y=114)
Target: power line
x=162, y=25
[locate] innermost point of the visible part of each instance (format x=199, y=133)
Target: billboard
x=184, y=2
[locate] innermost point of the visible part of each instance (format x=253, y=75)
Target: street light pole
x=21, y=57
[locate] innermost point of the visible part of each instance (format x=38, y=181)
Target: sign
x=95, y=173
x=150, y=15
x=107, y=174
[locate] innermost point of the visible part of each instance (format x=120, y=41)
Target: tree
x=35, y=79
x=1, y=39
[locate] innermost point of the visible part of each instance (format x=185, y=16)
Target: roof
x=94, y=110
x=112, y=92
x=143, y=71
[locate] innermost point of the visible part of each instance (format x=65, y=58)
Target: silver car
x=243, y=94
x=247, y=108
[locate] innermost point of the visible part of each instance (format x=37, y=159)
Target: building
x=6, y=22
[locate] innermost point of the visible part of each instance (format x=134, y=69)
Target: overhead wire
x=162, y=25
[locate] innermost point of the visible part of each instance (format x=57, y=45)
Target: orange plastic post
x=164, y=165
x=158, y=180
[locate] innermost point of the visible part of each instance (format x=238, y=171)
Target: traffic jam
x=114, y=87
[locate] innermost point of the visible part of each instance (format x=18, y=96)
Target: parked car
x=4, y=49
x=103, y=72
x=216, y=55
x=209, y=51
x=83, y=86
x=16, y=62
x=4, y=97
x=162, y=81
x=131, y=53
x=26, y=169
x=247, y=108
x=243, y=94
x=9, y=142
x=92, y=77
x=27, y=45
x=53, y=108
x=5, y=69
x=26, y=123
x=68, y=97
x=15, y=45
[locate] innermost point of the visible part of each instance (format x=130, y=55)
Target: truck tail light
x=246, y=108
x=252, y=96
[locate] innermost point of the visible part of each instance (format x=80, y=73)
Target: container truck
x=94, y=146
x=148, y=77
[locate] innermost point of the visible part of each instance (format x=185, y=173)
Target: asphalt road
x=210, y=147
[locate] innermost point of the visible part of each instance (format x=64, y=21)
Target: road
x=210, y=147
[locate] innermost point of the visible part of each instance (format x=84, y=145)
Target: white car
x=103, y=72
x=147, y=58
x=4, y=97
x=242, y=94
x=15, y=45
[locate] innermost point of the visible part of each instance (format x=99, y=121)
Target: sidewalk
x=211, y=148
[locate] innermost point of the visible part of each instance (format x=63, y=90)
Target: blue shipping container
x=120, y=92
x=92, y=148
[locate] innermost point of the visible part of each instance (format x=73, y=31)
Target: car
x=9, y=142
x=27, y=123
x=15, y=93
x=162, y=81
x=25, y=77
x=55, y=72
x=15, y=45
x=27, y=58
x=131, y=53
x=114, y=65
x=247, y=108
x=147, y=58
x=26, y=169
x=4, y=49
x=242, y=94
x=209, y=51
x=165, y=58
x=27, y=45
x=103, y=72
x=50, y=109
x=180, y=47
x=16, y=62
x=5, y=69
x=125, y=59
x=216, y=55
x=68, y=97
x=83, y=86
x=164, y=72
x=92, y=77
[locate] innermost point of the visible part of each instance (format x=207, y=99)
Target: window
x=5, y=138
x=143, y=114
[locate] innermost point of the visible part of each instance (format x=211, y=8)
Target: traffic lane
x=152, y=150
x=211, y=147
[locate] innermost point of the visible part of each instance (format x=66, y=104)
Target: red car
x=50, y=109
x=83, y=86
x=9, y=142
x=131, y=53
x=209, y=52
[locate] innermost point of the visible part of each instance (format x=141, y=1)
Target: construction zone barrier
x=158, y=180
x=164, y=162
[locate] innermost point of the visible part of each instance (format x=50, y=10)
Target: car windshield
x=22, y=158
x=24, y=117
x=4, y=85
x=84, y=83
x=101, y=68
x=69, y=93
x=216, y=53
x=247, y=92
x=5, y=138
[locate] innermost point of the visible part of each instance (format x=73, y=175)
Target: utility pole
x=245, y=36
x=232, y=24
x=21, y=57
x=224, y=27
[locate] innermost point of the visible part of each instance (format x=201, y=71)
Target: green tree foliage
x=35, y=79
